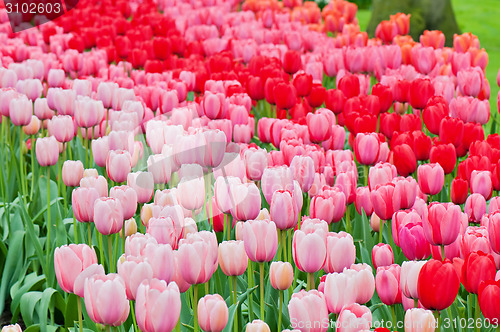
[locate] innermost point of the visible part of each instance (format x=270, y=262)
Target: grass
x=482, y=19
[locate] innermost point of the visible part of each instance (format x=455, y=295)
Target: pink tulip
x=381, y=173
x=413, y=242
x=475, y=207
x=354, y=317
x=118, y=165
x=366, y=148
x=33, y=127
x=363, y=201
x=481, y=183
x=55, y=77
x=320, y=124
x=276, y=178
x=340, y=290
x=233, y=259
x=257, y=326
x=100, y=149
x=405, y=190
x=191, y=189
x=47, y=151
x=304, y=244
x=88, y=112
x=281, y=275
x=42, y=110
x=161, y=259
x=283, y=209
x=364, y=281
x=163, y=229
x=62, y=127
x=494, y=231
x=255, y=162
x=158, y=306
x=105, y=92
x=340, y=252
x=106, y=299
x=385, y=203
x=143, y=184
x=475, y=239
x=70, y=261
x=382, y=255
x=212, y=313
x=440, y=226
x=97, y=182
x=83, y=203
x=91, y=270
x=108, y=215
x=347, y=183
x=409, y=277
x=261, y=240
x=430, y=178
x=12, y=328
x=308, y=307
x=128, y=199
x=247, y=201
x=198, y=257
x=302, y=168
x=72, y=172
x=387, y=284
x=215, y=147
x=160, y=165
x=20, y=111
x=134, y=271
x=419, y=320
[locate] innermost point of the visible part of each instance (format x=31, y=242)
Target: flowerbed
x=259, y=166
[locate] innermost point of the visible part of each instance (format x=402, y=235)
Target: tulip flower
x=366, y=148
x=385, y=203
x=128, y=199
x=133, y=271
x=387, y=284
x=212, y=313
x=307, y=307
x=340, y=252
x=441, y=226
x=118, y=165
x=419, y=320
x=233, y=259
x=283, y=209
x=475, y=207
x=108, y=215
x=409, y=276
x=354, y=317
x=70, y=261
x=72, y=172
x=477, y=267
x=489, y=296
x=430, y=178
x=382, y=255
x=438, y=284
x=158, y=306
x=257, y=326
x=106, y=299
x=47, y=151
x=339, y=291
x=413, y=242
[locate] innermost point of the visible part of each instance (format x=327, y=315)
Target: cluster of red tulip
x=206, y=143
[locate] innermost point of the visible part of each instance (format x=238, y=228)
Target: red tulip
x=404, y=159
x=438, y=284
x=349, y=85
x=421, y=90
x=292, y=62
x=445, y=155
x=477, y=267
x=285, y=95
x=489, y=300
x=459, y=191
x=433, y=113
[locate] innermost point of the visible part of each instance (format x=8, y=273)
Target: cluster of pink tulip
x=213, y=145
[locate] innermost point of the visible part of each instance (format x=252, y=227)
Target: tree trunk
x=425, y=15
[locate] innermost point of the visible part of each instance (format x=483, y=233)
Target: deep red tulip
x=335, y=100
x=433, y=113
x=438, y=284
x=285, y=95
x=451, y=130
x=292, y=62
x=421, y=145
x=421, y=90
x=404, y=159
x=317, y=96
x=489, y=300
x=459, y=191
x=477, y=267
x=303, y=84
x=384, y=94
x=445, y=155
x=349, y=85
x=389, y=123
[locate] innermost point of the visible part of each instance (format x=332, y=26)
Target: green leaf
x=50, y=297
x=31, y=283
x=28, y=303
x=14, y=255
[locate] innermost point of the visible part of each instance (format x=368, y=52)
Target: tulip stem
x=49, y=224
x=133, y=315
x=380, y=232
x=195, y=307
x=289, y=245
x=90, y=234
x=80, y=321
x=348, y=220
x=74, y=229
x=110, y=248
x=280, y=308
x=443, y=256
x=310, y=281
x=32, y=167
x=365, y=169
x=228, y=226
x=101, y=249
x=438, y=322
x=250, y=285
x=235, y=299
x=415, y=303
x=280, y=244
x=393, y=311
x=261, y=267
x=23, y=188
x=477, y=315
x=178, y=325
